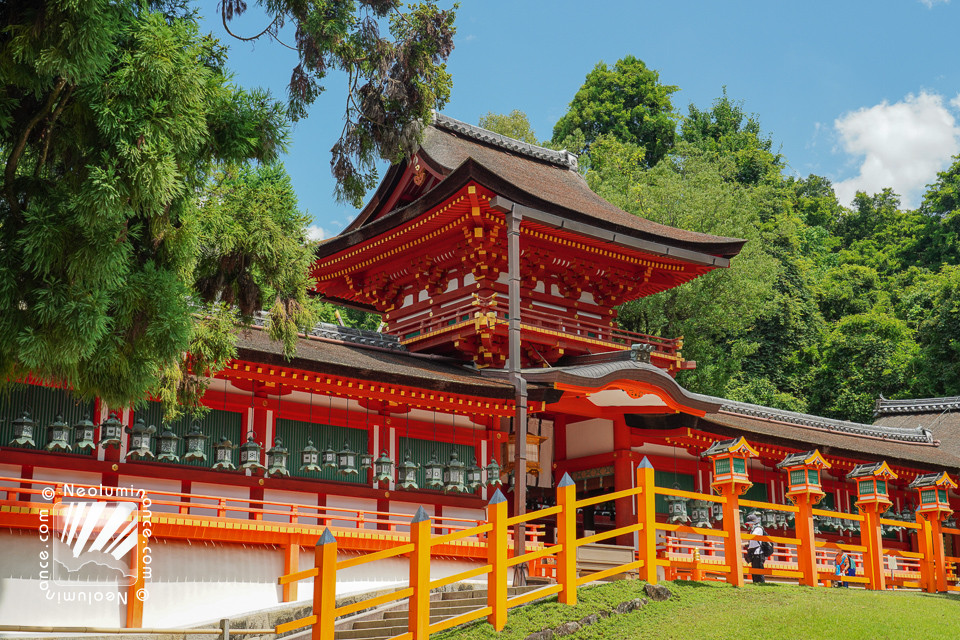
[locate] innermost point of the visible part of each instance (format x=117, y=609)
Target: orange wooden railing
x=487, y=309
x=232, y=508
x=716, y=554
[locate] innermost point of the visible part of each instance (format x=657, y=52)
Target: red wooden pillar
x=261, y=426
x=559, y=446
x=623, y=477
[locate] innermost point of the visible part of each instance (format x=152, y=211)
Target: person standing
x=844, y=567
x=755, y=555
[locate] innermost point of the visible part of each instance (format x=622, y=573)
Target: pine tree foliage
x=113, y=119
x=394, y=81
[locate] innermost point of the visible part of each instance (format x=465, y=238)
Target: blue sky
x=864, y=93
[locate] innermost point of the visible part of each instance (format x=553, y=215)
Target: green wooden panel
x=421, y=450
x=44, y=405
x=295, y=433
x=216, y=424
x=668, y=480
x=828, y=503
x=757, y=492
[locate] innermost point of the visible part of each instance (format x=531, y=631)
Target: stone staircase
x=383, y=624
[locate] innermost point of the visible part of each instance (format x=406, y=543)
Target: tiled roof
x=363, y=337
x=902, y=434
x=554, y=186
x=886, y=407
x=561, y=158
x=369, y=362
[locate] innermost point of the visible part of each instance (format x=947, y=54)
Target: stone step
x=434, y=613
x=482, y=593
x=370, y=634
x=451, y=603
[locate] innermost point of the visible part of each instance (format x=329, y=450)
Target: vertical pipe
x=520, y=390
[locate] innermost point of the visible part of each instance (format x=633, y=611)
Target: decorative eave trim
x=916, y=405
x=562, y=158
x=351, y=335
x=917, y=435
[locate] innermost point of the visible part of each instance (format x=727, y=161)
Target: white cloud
x=316, y=232
x=930, y=3
x=903, y=145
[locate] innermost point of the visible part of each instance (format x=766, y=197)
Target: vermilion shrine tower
x=429, y=253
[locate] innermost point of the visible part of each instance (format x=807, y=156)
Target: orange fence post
x=567, y=539
x=136, y=592
x=807, y=549
x=291, y=564
x=733, y=543
x=647, y=514
x=325, y=586
x=497, y=558
x=873, y=556
x=939, y=554
x=419, y=616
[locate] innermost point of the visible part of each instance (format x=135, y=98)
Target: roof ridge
x=898, y=434
x=561, y=158
x=915, y=405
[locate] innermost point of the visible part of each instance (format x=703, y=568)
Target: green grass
x=715, y=611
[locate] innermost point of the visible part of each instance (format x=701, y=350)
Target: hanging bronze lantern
x=366, y=461
x=195, y=444
x=717, y=512
x=700, y=510
x=328, y=457
x=223, y=455
x=23, y=431
x=250, y=455
x=408, y=473
x=493, y=473
x=347, y=460
x=677, y=509
x=433, y=472
x=309, y=457
x=474, y=476
x=58, y=436
x=383, y=468
x=769, y=518
x=168, y=445
x=454, y=474
x=277, y=459
x=83, y=433
x=111, y=430
x=781, y=520
x=141, y=438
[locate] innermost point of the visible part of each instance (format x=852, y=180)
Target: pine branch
x=14, y=160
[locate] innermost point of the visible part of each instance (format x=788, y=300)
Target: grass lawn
x=716, y=611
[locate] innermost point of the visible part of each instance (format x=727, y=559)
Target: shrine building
x=361, y=428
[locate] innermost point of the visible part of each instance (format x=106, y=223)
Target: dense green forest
x=828, y=306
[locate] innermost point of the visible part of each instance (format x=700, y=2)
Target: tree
x=725, y=129
x=713, y=312
x=112, y=119
x=514, y=125
x=393, y=83
x=626, y=102
x=939, y=336
x=864, y=355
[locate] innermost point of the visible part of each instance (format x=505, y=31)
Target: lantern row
x=453, y=477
